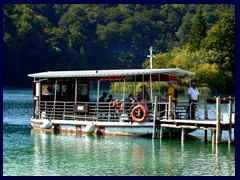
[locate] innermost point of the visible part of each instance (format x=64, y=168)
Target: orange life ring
x=133, y=113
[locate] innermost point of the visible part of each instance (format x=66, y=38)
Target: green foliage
x=195, y=37
x=183, y=31
x=220, y=41
x=198, y=32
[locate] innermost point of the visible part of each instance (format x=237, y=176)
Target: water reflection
x=111, y=155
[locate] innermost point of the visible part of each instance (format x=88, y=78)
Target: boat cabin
x=68, y=95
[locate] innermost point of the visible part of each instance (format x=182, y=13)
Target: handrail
x=99, y=111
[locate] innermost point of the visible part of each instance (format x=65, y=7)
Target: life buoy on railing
x=133, y=113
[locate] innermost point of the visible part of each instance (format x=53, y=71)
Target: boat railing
x=96, y=111
x=103, y=111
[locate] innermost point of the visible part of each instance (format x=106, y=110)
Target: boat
x=70, y=101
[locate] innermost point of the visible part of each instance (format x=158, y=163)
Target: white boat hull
x=107, y=128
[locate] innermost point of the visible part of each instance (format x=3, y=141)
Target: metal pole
x=55, y=92
x=155, y=117
x=151, y=87
x=151, y=56
x=98, y=91
x=55, y=97
x=75, y=94
x=218, y=128
x=230, y=122
x=124, y=89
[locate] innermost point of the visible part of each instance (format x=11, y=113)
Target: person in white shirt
x=193, y=95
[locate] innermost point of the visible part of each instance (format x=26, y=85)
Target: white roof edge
x=110, y=73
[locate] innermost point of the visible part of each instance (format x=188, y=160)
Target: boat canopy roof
x=110, y=73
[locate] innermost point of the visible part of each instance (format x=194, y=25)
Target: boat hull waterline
x=104, y=128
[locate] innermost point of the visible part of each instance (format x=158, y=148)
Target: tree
x=220, y=45
x=198, y=32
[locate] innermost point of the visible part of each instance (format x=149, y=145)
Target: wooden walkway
x=216, y=126
x=205, y=125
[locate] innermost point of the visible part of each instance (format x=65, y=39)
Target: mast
x=151, y=58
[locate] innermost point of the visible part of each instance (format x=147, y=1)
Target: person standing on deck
x=110, y=98
x=128, y=102
x=193, y=95
x=101, y=99
x=130, y=98
x=171, y=89
x=143, y=94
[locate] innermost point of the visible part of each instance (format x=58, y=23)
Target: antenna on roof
x=151, y=56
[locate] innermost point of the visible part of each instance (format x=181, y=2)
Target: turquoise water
x=28, y=152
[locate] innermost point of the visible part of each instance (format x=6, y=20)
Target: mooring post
x=205, y=135
x=170, y=114
x=155, y=117
x=205, y=107
x=218, y=124
x=230, y=122
x=206, y=117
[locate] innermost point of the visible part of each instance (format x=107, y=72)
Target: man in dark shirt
x=101, y=99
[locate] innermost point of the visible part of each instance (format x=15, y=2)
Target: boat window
x=47, y=91
x=65, y=91
x=69, y=93
x=83, y=92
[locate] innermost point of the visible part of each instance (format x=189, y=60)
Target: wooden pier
x=216, y=126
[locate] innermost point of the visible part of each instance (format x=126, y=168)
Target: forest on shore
x=47, y=37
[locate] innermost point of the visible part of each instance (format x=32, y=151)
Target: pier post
x=205, y=107
x=170, y=113
x=205, y=117
x=230, y=122
x=205, y=135
x=155, y=117
x=218, y=124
